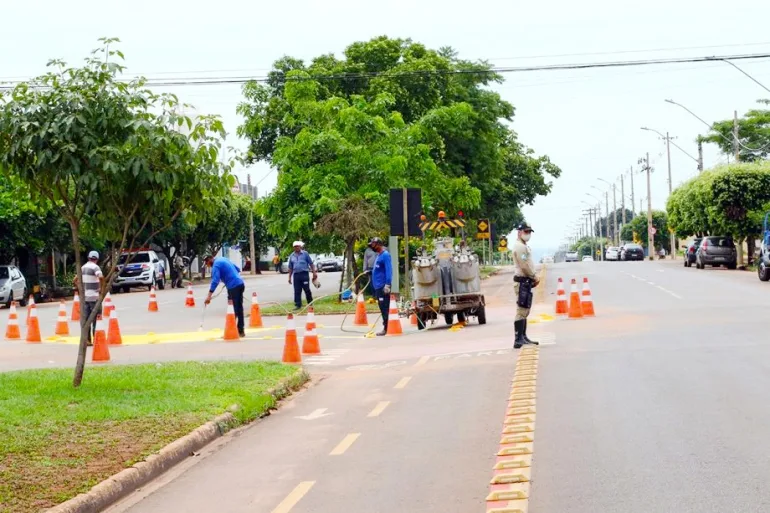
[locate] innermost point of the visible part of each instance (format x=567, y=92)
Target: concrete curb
x=127, y=481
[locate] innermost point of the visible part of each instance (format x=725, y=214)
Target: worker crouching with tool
x=524, y=280
x=382, y=276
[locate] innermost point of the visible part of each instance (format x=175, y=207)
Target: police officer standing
x=524, y=280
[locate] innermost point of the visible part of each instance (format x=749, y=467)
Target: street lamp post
x=614, y=213
x=599, y=222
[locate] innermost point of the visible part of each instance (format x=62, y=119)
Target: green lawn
x=322, y=306
x=57, y=441
x=487, y=271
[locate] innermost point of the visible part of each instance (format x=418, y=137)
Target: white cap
x=93, y=254
x=297, y=243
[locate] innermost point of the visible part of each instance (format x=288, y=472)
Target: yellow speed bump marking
x=403, y=382
x=520, y=404
x=378, y=409
x=518, y=397
x=521, y=475
x=516, y=509
x=516, y=449
x=511, y=412
x=518, y=428
x=513, y=462
x=518, y=420
x=522, y=492
x=517, y=439
x=294, y=497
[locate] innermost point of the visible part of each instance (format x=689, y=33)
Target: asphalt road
x=656, y=404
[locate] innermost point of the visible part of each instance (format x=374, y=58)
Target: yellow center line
x=345, y=444
x=422, y=361
x=294, y=497
x=378, y=409
x=403, y=382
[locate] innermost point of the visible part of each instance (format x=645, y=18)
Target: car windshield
x=3, y=273
x=136, y=258
x=633, y=246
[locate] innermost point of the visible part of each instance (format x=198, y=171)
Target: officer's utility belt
x=525, y=291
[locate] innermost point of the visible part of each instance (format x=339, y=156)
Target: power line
x=197, y=81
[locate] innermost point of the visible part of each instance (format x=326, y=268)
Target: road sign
x=653, y=231
x=482, y=229
x=502, y=245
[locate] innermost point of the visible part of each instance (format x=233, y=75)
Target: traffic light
x=460, y=214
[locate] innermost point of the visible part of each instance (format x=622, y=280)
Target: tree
x=463, y=123
x=113, y=151
x=606, y=225
x=753, y=135
x=636, y=230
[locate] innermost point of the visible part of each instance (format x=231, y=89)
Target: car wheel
x=448, y=317
x=162, y=284
x=460, y=316
x=23, y=300
x=763, y=271
x=126, y=289
x=732, y=267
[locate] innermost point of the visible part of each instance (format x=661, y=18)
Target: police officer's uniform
x=524, y=281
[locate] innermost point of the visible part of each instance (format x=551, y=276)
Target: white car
x=571, y=256
x=13, y=286
x=141, y=268
x=588, y=258
x=548, y=259
x=612, y=253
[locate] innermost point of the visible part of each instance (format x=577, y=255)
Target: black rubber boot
x=518, y=327
x=526, y=338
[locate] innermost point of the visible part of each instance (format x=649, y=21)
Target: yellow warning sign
x=482, y=229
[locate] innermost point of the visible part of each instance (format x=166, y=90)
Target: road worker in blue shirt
x=382, y=277
x=300, y=267
x=228, y=273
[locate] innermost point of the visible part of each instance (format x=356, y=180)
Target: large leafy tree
x=108, y=150
x=464, y=125
x=753, y=134
x=637, y=230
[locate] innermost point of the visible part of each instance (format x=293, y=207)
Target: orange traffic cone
x=107, y=307
x=12, y=332
x=290, y=345
x=413, y=317
x=586, y=302
x=33, y=330
x=30, y=306
x=310, y=322
x=62, y=327
x=153, y=306
x=255, y=319
x=189, y=301
x=561, y=299
x=76, y=307
x=361, y=319
x=231, y=330
x=114, y=338
x=394, y=323
x=101, y=352
x=310, y=344
x=575, y=310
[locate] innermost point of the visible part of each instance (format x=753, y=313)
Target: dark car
x=632, y=252
x=332, y=264
x=692, y=249
x=716, y=251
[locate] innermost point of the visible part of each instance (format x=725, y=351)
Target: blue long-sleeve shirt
x=300, y=262
x=383, y=270
x=225, y=271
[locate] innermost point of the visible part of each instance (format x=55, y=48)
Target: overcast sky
x=588, y=121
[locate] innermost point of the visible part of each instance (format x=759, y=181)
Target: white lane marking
x=315, y=414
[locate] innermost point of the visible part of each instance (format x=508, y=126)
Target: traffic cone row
x=586, y=302
x=107, y=307
x=33, y=327
x=30, y=306
x=114, y=338
x=189, y=300
x=255, y=319
x=580, y=303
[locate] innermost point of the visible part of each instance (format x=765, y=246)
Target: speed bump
x=513, y=462
x=517, y=439
x=519, y=428
x=520, y=411
x=518, y=420
x=508, y=495
x=516, y=450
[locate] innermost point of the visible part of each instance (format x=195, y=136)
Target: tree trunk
x=83, y=346
x=750, y=242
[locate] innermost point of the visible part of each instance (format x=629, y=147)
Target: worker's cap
x=297, y=243
x=93, y=255
x=524, y=227
x=375, y=240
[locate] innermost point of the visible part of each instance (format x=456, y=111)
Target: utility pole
x=670, y=188
x=254, y=261
x=700, y=156
x=615, y=217
x=622, y=199
x=607, y=204
x=736, y=142
x=650, y=235
x=631, y=174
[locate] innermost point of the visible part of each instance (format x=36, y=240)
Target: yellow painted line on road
x=403, y=382
x=422, y=361
x=511, y=473
x=294, y=497
x=379, y=409
x=345, y=444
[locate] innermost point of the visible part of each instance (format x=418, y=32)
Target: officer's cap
x=524, y=227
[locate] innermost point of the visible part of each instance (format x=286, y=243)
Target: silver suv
x=144, y=269
x=13, y=285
